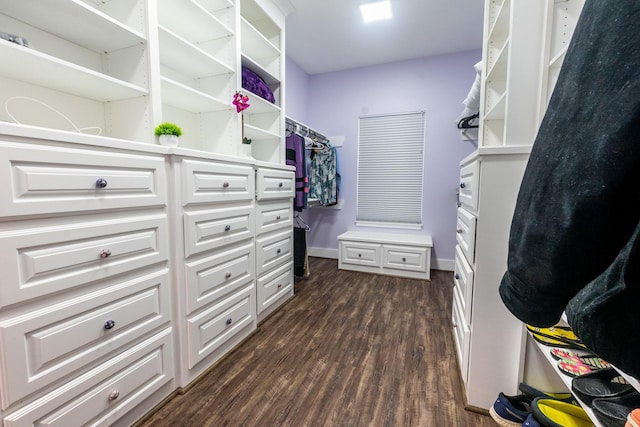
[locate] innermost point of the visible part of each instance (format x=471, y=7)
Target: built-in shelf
x=49, y=71
x=189, y=99
x=191, y=21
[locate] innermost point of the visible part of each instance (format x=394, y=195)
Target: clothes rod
x=299, y=128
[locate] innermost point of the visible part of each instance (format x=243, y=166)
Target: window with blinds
x=390, y=170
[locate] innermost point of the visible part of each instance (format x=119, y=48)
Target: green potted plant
x=168, y=134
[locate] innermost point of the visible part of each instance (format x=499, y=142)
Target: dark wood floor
x=350, y=349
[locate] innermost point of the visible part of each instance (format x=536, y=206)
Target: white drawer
x=212, y=228
x=210, y=329
x=466, y=233
x=463, y=280
x=65, y=256
x=469, y=178
x=38, y=179
x=405, y=258
x=271, y=216
x=45, y=345
x=222, y=273
x=360, y=253
x=274, y=285
x=462, y=337
x=207, y=182
x=107, y=392
x=274, y=184
x=273, y=250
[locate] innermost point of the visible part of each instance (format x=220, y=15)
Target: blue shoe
x=510, y=411
x=531, y=422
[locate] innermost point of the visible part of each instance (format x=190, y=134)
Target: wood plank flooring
x=350, y=349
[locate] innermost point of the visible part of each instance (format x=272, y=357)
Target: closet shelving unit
x=197, y=45
x=262, y=52
x=95, y=70
x=124, y=66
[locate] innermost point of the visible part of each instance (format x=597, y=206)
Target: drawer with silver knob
x=274, y=285
x=38, y=179
x=67, y=255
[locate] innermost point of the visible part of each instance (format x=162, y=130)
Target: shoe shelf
x=566, y=379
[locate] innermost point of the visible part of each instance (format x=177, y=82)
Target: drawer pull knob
x=114, y=395
x=278, y=218
x=229, y=321
x=278, y=251
x=463, y=185
x=457, y=276
x=455, y=325
x=279, y=285
x=404, y=260
x=227, y=227
x=280, y=185
x=105, y=253
x=227, y=275
x=225, y=185
x=101, y=183
x=109, y=324
x=459, y=231
x=359, y=255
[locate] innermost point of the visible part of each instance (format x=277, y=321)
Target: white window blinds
x=390, y=169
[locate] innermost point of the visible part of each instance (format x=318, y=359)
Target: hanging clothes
x=323, y=176
x=295, y=156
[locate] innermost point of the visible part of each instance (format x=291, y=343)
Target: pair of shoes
x=555, y=413
x=533, y=392
x=510, y=411
x=574, y=364
x=633, y=419
x=557, y=336
x=614, y=411
x=602, y=383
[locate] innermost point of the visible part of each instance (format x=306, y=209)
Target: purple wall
x=334, y=102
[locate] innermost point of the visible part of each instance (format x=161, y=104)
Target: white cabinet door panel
x=273, y=184
x=40, y=179
x=50, y=259
x=207, y=182
x=404, y=258
x=273, y=250
x=222, y=273
x=273, y=285
x=212, y=228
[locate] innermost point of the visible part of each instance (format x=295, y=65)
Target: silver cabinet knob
x=105, y=253
x=455, y=324
x=229, y=321
x=459, y=230
x=279, y=285
x=278, y=251
x=457, y=276
x=227, y=275
x=280, y=185
x=225, y=185
x=404, y=260
x=278, y=218
x=109, y=324
x=463, y=185
x=227, y=227
x=101, y=183
x=114, y=395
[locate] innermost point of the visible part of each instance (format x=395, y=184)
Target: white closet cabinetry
x=119, y=68
x=215, y=278
x=262, y=51
x=524, y=44
x=87, y=60
x=85, y=307
x=274, y=239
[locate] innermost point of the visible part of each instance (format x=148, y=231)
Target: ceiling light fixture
x=375, y=10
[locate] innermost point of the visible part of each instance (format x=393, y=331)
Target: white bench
x=386, y=253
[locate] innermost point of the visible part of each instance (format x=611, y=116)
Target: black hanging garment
x=299, y=250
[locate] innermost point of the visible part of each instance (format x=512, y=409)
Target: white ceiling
x=329, y=35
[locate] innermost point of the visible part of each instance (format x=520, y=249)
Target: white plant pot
x=168, y=140
x=244, y=150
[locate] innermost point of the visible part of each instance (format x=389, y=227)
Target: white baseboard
x=436, y=264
